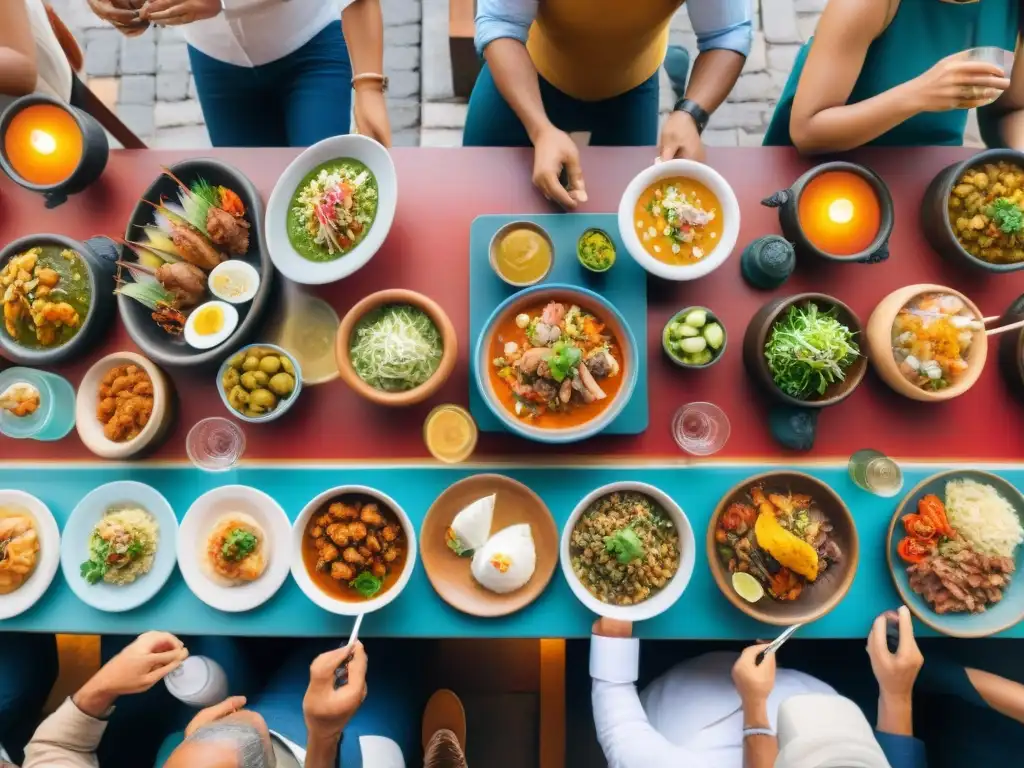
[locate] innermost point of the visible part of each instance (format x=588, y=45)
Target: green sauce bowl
x=594, y=238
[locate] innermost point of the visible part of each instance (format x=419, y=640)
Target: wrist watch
x=694, y=110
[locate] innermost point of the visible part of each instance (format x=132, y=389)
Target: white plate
x=299, y=269
x=74, y=548
x=35, y=586
x=200, y=519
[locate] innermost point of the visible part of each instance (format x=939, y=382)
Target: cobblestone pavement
x=147, y=79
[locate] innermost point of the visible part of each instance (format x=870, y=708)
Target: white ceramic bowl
x=663, y=599
x=287, y=260
x=707, y=176
x=74, y=548
x=47, y=558
x=317, y=595
x=90, y=429
x=195, y=529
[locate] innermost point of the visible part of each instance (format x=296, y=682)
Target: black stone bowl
x=172, y=351
x=935, y=210
x=1011, y=349
x=99, y=255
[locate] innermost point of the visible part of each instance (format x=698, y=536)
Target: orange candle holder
x=837, y=211
x=51, y=147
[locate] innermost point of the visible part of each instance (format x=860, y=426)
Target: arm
x=754, y=684
x=758, y=751
x=17, y=50
x=66, y=739
x=1005, y=696
x=326, y=709
x=1003, y=121
x=363, y=26
x=322, y=751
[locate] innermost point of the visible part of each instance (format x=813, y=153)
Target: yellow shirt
x=597, y=49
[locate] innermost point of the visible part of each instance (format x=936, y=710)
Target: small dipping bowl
x=450, y=433
x=674, y=356
x=54, y=417
x=604, y=258
x=283, y=404
x=495, y=247
x=234, y=281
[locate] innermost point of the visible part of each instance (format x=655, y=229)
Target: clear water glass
x=990, y=54
x=876, y=473
x=701, y=428
x=215, y=444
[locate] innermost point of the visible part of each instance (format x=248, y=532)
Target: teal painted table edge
x=701, y=613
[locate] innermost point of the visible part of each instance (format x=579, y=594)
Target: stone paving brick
x=401, y=35
x=781, y=57
x=444, y=115
x=176, y=113
x=138, y=55
x=807, y=24
x=750, y=139
x=441, y=137
x=756, y=86
x=757, y=59
x=137, y=117
x=406, y=138
x=172, y=57
x=102, y=52
x=191, y=136
x=137, y=89
x=719, y=138
x=172, y=86
x=740, y=115
x=779, y=20
x=406, y=57
x=404, y=113
x=404, y=84
x=399, y=12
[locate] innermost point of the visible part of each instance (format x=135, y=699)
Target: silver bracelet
x=747, y=732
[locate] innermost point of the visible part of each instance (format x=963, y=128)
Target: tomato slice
x=920, y=527
x=915, y=550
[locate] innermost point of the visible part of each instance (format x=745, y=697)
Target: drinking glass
x=215, y=444
x=701, y=428
x=992, y=55
x=876, y=473
x=450, y=433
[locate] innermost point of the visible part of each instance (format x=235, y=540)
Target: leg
x=629, y=120
x=27, y=673
x=239, y=111
x=316, y=84
x=443, y=732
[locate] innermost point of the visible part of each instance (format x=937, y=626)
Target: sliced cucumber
x=696, y=318
x=693, y=345
x=714, y=335
x=687, y=330
x=700, y=358
x=675, y=330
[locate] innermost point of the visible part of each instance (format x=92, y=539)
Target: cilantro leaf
x=564, y=360
x=625, y=545
x=1006, y=215
x=238, y=544
x=366, y=584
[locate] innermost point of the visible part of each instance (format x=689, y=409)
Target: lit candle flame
x=841, y=211
x=42, y=142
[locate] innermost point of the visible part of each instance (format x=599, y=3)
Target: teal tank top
x=920, y=34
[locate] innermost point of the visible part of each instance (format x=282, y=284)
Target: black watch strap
x=694, y=110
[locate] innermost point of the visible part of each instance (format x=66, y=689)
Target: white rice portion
x=986, y=521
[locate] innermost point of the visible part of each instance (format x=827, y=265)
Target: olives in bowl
x=259, y=382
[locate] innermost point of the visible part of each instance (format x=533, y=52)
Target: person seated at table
x=559, y=66
x=894, y=72
x=70, y=736
x=720, y=711
x=28, y=670
x=274, y=73
x=32, y=59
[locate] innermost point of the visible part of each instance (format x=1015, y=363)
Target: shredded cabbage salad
x=396, y=348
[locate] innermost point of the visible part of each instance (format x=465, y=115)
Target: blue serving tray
x=624, y=285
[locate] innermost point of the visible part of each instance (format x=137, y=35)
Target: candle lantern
x=51, y=148
x=837, y=211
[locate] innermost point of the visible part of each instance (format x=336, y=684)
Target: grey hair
x=253, y=751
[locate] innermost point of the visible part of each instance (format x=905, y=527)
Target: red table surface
x=443, y=190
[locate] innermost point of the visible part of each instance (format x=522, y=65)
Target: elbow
x=804, y=137
x=738, y=38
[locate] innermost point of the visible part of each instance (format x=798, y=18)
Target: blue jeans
x=295, y=101
x=28, y=670
x=628, y=120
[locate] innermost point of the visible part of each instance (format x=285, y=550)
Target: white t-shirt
x=249, y=33
x=53, y=70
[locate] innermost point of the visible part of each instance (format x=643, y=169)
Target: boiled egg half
x=210, y=324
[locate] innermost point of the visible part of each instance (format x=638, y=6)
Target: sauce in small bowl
x=521, y=253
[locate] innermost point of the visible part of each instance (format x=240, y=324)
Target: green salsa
x=332, y=209
x=596, y=251
x=48, y=309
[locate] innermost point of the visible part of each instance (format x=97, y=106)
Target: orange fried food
x=125, y=402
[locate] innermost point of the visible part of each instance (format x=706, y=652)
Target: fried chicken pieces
x=352, y=537
x=125, y=402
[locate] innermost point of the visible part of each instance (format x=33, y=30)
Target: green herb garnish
x=1006, y=215
x=366, y=584
x=135, y=549
x=808, y=350
x=95, y=568
x=625, y=545
x=238, y=545
x=564, y=361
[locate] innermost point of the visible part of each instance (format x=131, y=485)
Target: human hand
x=137, y=668
x=173, y=13
x=754, y=682
x=212, y=714
x=327, y=710
x=123, y=14
x=679, y=138
x=956, y=82
x=895, y=672
x=371, y=113
x=612, y=628
x=554, y=150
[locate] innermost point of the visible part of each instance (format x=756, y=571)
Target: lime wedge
x=747, y=587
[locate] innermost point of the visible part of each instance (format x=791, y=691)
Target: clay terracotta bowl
x=757, y=334
x=818, y=598
x=449, y=341
x=450, y=574
x=90, y=429
x=879, y=341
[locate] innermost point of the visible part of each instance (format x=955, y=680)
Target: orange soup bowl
x=661, y=246
x=582, y=419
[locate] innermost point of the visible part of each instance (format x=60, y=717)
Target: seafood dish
x=986, y=212
x=19, y=549
x=355, y=548
x=20, y=399
x=186, y=241
x=236, y=550
x=555, y=365
x=931, y=340
x=122, y=547
x=678, y=220
x=126, y=401
x=257, y=381
x=961, y=551
x=471, y=527
x=507, y=560
x=396, y=348
x=809, y=349
x=781, y=539
x=332, y=210
x=624, y=548
x=46, y=296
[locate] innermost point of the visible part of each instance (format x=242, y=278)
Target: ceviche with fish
x=931, y=339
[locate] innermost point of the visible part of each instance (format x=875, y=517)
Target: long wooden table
x=346, y=438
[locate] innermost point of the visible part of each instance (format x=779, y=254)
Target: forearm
x=66, y=739
x=714, y=74
x=516, y=78
x=840, y=128
x=1005, y=696
x=17, y=73
x=895, y=715
x=322, y=751
x=363, y=26
x=758, y=751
